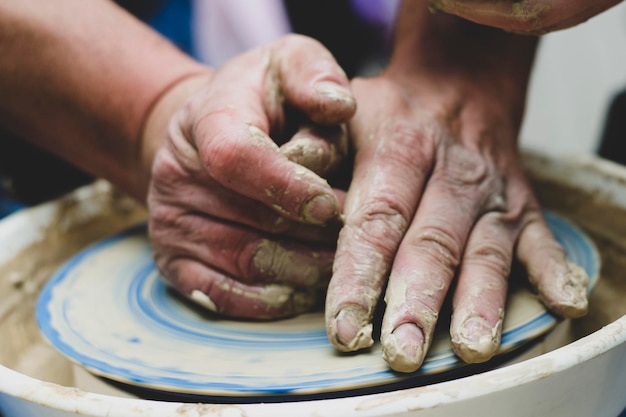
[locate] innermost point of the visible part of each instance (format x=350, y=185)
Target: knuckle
x=465, y=167
x=408, y=144
x=439, y=245
x=473, y=178
x=491, y=256
x=383, y=220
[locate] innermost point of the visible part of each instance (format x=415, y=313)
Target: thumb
x=312, y=81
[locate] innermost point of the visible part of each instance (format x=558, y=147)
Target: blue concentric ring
x=109, y=310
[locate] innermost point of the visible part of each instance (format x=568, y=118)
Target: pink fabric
x=225, y=28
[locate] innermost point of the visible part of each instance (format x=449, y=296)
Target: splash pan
x=580, y=374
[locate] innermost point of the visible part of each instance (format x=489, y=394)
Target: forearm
x=464, y=58
x=79, y=78
x=529, y=16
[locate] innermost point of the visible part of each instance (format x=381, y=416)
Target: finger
x=462, y=187
x=241, y=157
x=312, y=81
x=202, y=195
x=480, y=293
x=320, y=149
x=381, y=200
x=238, y=252
x=561, y=284
x=220, y=293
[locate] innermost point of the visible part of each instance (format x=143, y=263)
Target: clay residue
x=605, y=223
x=474, y=349
x=194, y=410
x=526, y=16
x=77, y=224
x=275, y=262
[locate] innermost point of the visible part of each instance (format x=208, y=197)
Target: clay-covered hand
x=525, y=16
x=241, y=220
x=439, y=201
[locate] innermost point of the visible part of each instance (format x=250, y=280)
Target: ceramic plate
x=109, y=310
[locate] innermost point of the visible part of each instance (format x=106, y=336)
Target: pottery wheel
x=109, y=310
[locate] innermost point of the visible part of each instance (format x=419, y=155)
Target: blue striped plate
x=109, y=310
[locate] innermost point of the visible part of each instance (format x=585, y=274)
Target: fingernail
x=477, y=340
x=333, y=91
x=574, y=291
x=403, y=349
x=319, y=209
x=204, y=300
x=352, y=329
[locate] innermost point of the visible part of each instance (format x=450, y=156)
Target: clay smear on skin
x=273, y=296
x=527, y=12
x=261, y=140
x=361, y=340
x=204, y=300
x=273, y=260
x=374, y=267
x=482, y=349
x=571, y=288
x=393, y=351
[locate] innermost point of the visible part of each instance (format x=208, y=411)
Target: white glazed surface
x=584, y=378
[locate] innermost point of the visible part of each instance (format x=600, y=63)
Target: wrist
x=461, y=56
x=157, y=119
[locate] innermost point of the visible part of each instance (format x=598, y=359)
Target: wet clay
x=74, y=226
x=77, y=224
x=605, y=223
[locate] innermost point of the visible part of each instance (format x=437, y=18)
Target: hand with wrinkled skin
x=525, y=16
x=439, y=197
x=241, y=220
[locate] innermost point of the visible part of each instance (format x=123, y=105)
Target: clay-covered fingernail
x=333, y=91
x=477, y=340
x=574, y=284
x=403, y=348
x=320, y=209
x=352, y=330
x=565, y=292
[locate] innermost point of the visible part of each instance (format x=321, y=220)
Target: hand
x=529, y=16
x=239, y=224
x=438, y=196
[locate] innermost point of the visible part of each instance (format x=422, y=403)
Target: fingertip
x=319, y=148
x=562, y=285
x=476, y=340
x=350, y=330
x=404, y=349
x=320, y=209
x=566, y=292
x=336, y=104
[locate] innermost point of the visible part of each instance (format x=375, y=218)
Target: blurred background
x=576, y=102
x=579, y=73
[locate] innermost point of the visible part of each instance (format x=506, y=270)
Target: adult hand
x=239, y=224
x=438, y=195
x=527, y=16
